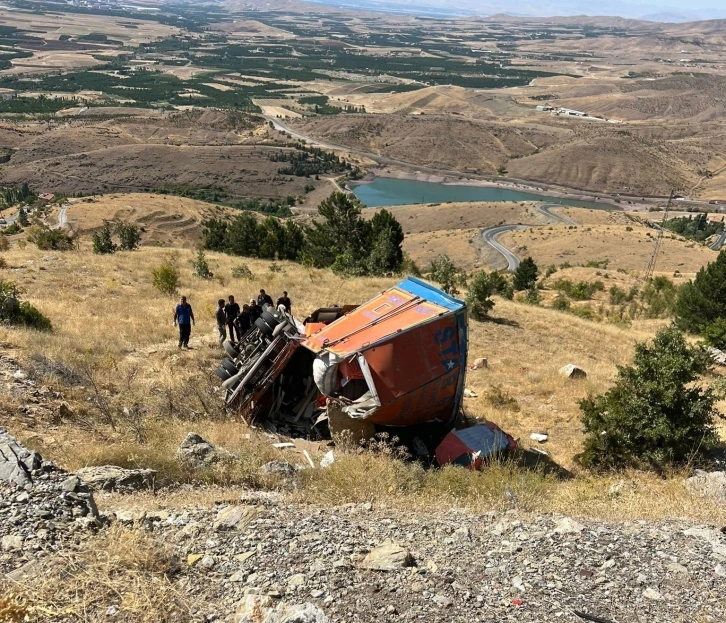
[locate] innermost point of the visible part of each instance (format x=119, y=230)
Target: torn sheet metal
x=471, y=446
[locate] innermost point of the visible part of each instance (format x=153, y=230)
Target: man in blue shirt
x=184, y=317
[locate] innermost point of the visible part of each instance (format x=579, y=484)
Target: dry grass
x=114, y=347
x=126, y=571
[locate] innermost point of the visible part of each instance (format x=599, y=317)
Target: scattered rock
x=235, y=517
x=718, y=356
x=468, y=393
x=16, y=462
x=193, y=559
x=480, y=362
x=11, y=542
x=113, y=478
x=198, y=452
x=708, y=484
x=571, y=371
x=279, y=468
x=651, y=593
x=387, y=557
x=443, y=601
x=304, y=613
x=253, y=609
x=567, y=525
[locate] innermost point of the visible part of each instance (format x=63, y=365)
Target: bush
x=49, y=239
x=4, y=243
x=656, y=414
x=499, y=398
x=201, y=266
x=444, y=272
x=478, y=299
x=165, y=277
x=660, y=294
x=578, y=291
x=17, y=312
x=242, y=271
x=129, y=235
x=526, y=275
x=561, y=303
x=103, y=244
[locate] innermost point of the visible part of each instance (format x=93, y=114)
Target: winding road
x=489, y=236
x=716, y=246
x=546, y=208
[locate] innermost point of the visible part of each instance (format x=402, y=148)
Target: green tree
x=386, y=253
x=214, y=234
x=656, y=414
x=446, y=274
x=715, y=333
x=660, y=294
x=129, y=235
x=703, y=300
x=243, y=236
x=23, y=218
x=341, y=230
x=478, y=298
x=103, y=243
x=525, y=276
x=201, y=266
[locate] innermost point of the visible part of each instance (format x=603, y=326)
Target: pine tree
x=386, y=254
x=525, y=276
x=702, y=301
x=478, y=299
x=102, y=242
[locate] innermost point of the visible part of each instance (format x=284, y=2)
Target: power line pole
x=658, y=240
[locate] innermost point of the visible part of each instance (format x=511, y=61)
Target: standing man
x=221, y=318
x=243, y=322
x=255, y=311
x=184, y=317
x=264, y=298
x=285, y=301
x=231, y=311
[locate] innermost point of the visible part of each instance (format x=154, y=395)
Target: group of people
x=236, y=321
x=231, y=318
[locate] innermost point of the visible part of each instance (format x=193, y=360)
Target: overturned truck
x=397, y=360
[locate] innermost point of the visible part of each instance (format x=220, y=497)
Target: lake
x=387, y=191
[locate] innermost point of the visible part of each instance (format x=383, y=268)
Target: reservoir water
x=386, y=191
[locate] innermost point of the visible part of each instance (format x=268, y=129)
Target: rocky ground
x=261, y=558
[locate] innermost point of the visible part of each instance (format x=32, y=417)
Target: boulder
x=235, y=518
x=17, y=463
x=302, y=613
x=718, y=356
x=571, y=371
x=708, y=484
x=198, y=452
x=388, y=556
x=113, y=478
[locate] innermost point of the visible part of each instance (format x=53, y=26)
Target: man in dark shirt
x=285, y=301
x=243, y=322
x=264, y=298
x=221, y=318
x=184, y=317
x=255, y=311
x=231, y=311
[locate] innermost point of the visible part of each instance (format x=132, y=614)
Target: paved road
x=489, y=237
x=62, y=217
x=716, y=246
x=546, y=208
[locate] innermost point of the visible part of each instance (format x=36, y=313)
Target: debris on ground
x=327, y=460
x=468, y=393
x=480, y=362
x=571, y=371
x=471, y=446
x=387, y=557
x=539, y=437
x=718, y=356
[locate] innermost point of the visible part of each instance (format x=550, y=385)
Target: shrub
x=501, y=285
x=165, y=277
x=532, y=297
x=561, y=303
x=656, y=414
x=17, y=312
x=446, y=274
x=410, y=267
x=478, y=299
x=526, y=275
x=242, y=271
x=499, y=398
x=201, y=266
x=4, y=243
x=578, y=291
x=275, y=268
x=103, y=244
x=49, y=239
x=660, y=294
x=129, y=235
